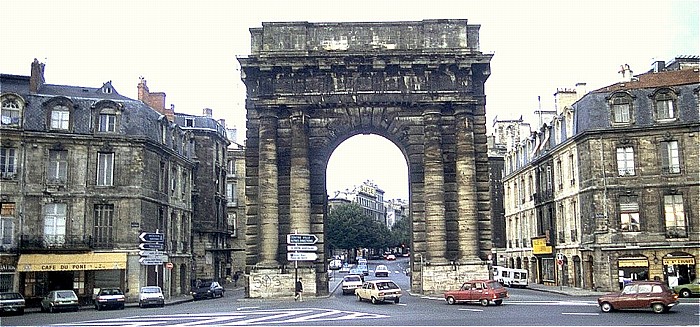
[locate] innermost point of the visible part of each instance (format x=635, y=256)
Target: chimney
x=222, y=122
x=626, y=73
x=36, y=80
x=581, y=90
x=207, y=112
x=658, y=66
x=155, y=100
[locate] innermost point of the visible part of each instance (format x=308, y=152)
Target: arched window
x=11, y=112
x=60, y=117
x=664, y=102
x=621, y=109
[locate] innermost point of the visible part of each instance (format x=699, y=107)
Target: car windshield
x=386, y=285
x=150, y=290
x=381, y=267
x=10, y=296
x=352, y=279
x=65, y=295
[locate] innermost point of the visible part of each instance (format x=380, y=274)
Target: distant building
x=368, y=196
x=235, y=196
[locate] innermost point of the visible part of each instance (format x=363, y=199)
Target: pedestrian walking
x=235, y=278
x=298, y=289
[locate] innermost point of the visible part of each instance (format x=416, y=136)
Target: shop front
x=632, y=268
x=545, y=259
x=679, y=268
x=42, y=273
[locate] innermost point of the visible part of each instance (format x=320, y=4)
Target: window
x=55, y=223
x=625, y=161
x=8, y=164
x=7, y=224
x=107, y=123
x=629, y=214
x=104, y=216
x=670, y=161
x=60, y=117
x=105, y=168
x=674, y=215
x=621, y=106
x=10, y=112
x=58, y=167
x=231, y=194
x=664, y=106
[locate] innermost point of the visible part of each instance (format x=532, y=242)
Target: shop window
x=625, y=161
x=8, y=162
x=629, y=214
x=6, y=282
x=58, y=167
x=54, y=224
x=674, y=216
x=670, y=160
x=103, y=222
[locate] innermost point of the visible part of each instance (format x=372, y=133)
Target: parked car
x=391, y=257
x=379, y=290
x=640, y=295
x=107, y=298
x=207, y=290
x=351, y=283
x=11, y=302
x=381, y=271
x=688, y=290
x=482, y=291
x=60, y=300
x=151, y=295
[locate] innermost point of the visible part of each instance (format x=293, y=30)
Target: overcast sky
x=188, y=50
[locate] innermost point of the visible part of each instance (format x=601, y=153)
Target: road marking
x=400, y=303
x=474, y=310
x=246, y=308
x=580, y=313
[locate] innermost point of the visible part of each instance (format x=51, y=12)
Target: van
x=510, y=277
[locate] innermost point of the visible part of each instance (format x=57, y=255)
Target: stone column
x=434, y=182
x=267, y=190
x=467, y=211
x=299, y=179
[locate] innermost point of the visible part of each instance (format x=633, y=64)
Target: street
x=523, y=307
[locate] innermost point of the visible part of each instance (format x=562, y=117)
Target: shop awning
x=65, y=262
x=636, y=262
x=679, y=261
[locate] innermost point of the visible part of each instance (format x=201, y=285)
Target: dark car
x=640, y=295
x=482, y=291
x=60, y=300
x=11, y=302
x=112, y=298
x=207, y=290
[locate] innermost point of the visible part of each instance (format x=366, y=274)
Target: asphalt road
x=524, y=307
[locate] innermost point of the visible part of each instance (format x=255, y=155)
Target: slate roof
x=654, y=80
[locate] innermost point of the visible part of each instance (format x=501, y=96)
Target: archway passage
x=312, y=85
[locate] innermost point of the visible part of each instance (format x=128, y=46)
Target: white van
x=510, y=277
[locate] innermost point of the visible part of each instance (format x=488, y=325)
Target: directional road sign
x=301, y=239
x=148, y=261
x=311, y=248
x=151, y=246
x=301, y=256
x=149, y=253
x=151, y=237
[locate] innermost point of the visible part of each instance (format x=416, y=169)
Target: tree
x=401, y=232
x=348, y=227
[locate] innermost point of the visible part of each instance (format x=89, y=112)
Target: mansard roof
x=655, y=80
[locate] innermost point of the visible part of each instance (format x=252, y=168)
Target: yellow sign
x=539, y=246
x=633, y=263
x=66, y=262
x=679, y=261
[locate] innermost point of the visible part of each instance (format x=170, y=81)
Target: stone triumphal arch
x=312, y=85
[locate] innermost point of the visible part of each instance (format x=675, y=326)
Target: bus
x=510, y=277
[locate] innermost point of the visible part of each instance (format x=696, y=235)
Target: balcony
x=676, y=232
x=56, y=243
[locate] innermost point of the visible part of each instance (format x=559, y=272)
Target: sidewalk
x=565, y=290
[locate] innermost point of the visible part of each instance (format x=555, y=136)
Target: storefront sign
x=679, y=261
x=539, y=246
x=66, y=262
x=633, y=263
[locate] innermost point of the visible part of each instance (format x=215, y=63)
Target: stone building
x=235, y=202
x=85, y=171
x=607, y=192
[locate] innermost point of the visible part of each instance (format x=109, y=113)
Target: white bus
x=510, y=277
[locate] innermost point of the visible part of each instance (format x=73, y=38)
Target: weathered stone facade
x=418, y=84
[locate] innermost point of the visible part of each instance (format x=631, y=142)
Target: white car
x=151, y=295
x=381, y=271
x=351, y=283
x=380, y=290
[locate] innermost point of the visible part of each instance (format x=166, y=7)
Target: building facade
x=607, y=191
x=235, y=196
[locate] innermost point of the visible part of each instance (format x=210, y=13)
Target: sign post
x=301, y=242
x=151, y=245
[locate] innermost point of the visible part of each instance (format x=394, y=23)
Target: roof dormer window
x=621, y=109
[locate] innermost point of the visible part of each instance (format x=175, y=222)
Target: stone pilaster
x=300, y=190
x=268, y=195
x=434, y=185
x=467, y=210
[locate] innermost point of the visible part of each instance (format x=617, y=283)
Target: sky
x=189, y=50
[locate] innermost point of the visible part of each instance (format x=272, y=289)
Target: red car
x=640, y=295
x=482, y=291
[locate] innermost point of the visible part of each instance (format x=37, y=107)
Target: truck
x=510, y=277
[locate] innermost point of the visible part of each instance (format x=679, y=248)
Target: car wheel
x=374, y=300
x=51, y=310
x=484, y=302
x=396, y=300
x=97, y=307
x=658, y=307
x=606, y=307
x=451, y=300
x=20, y=311
x=359, y=298
x=498, y=302
x=140, y=305
x=685, y=293
x=122, y=307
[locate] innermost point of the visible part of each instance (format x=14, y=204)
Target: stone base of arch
x=438, y=278
x=276, y=283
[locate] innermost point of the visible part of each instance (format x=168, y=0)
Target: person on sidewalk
x=298, y=289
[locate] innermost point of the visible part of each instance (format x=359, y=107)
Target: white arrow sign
x=301, y=256
x=146, y=253
x=151, y=261
x=301, y=239
x=311, y=248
